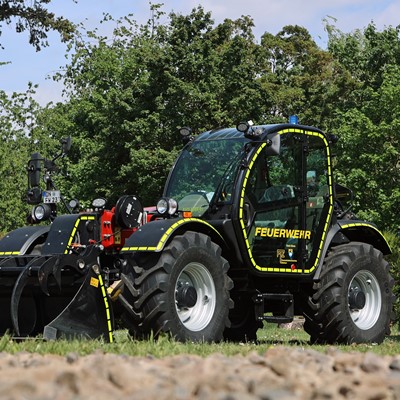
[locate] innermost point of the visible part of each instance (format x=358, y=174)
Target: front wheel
x=186, y=292
x=353, y=300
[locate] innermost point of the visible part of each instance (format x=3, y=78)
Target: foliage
x=368, y=150
x=20, y=137
x=36, y=19
x=16, y=118
x=299, y=78
x=393, y=239
x=127, y=95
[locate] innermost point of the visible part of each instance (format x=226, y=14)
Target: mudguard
x=353, y=230
x=154, y=235
x=18, y=242
x=63, y=232
x=365, y=232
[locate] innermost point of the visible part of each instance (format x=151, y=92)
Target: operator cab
x=272, y=182
x=287, y=202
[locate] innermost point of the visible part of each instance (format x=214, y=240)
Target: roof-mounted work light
x=244, y=126
x=248, y=130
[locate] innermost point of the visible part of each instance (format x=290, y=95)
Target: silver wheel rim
x=366, y=317
x=198, y=316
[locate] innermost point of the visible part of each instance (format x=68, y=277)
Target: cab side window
x=275, y=178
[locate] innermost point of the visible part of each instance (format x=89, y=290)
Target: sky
x=26, y=65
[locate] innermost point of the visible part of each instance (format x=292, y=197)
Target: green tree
x=17, y=118
x=129, y=96
x=368, y=123
x=19, y=111
x=34, y=18
x=297, y=77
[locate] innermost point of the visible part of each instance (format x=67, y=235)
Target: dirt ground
x=279, y=374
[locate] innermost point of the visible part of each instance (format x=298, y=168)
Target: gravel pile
x=280, y=374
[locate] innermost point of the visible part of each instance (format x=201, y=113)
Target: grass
x=268, y=337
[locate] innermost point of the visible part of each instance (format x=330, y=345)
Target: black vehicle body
x=276, y=247
x=254, y=228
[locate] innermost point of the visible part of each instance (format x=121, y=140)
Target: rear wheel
x=353, y=301
x=186, y=292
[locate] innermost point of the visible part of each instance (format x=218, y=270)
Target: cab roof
x=233, y=133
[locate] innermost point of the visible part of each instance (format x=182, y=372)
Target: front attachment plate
x=88, y=315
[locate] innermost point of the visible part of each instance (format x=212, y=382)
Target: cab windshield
x=204, y=168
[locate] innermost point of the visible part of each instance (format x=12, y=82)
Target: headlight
x=99, y=203
x=73, y=204
x=41, y=212
x=167, y=205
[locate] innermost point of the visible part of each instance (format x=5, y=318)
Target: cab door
x=286, y=203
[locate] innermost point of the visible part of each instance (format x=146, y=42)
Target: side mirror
x=65, y=145
x=273, y=144
x=65, y=148
x=34, y=193
x=343, y=193
x=34, y=169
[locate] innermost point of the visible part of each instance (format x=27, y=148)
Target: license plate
x=117, y=237
x=51, y=196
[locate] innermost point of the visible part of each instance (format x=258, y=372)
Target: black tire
x=186, y=292
x=353, y=300
x=244, y=325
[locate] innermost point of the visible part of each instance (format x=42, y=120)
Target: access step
x=281, y=305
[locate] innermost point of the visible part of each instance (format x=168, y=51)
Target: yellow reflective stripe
x=356, y=224
x=142, y=248
x=71, y=238
x=9, y=253
x=241, y=205
x=108, y=314
x=176, y=225
x=164, y=237
x=328, y=218
x=330, y=210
